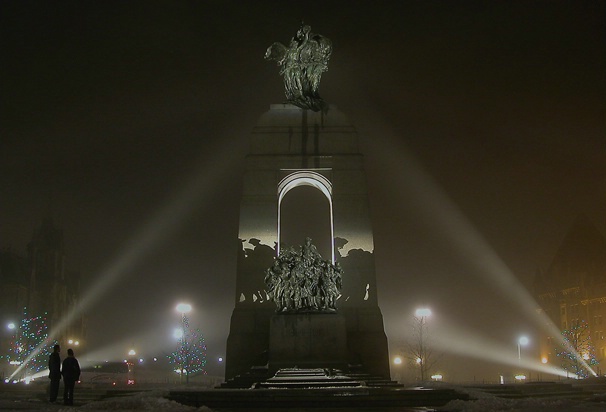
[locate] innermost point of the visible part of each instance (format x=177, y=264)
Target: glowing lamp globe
x=183, y=308
x=423, y=312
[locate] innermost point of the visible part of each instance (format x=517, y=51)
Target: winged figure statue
x=301, y=65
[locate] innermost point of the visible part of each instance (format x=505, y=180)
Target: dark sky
x=479, y=120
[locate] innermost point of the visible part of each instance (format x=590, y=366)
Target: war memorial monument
x=306, y=330
x=295, y=307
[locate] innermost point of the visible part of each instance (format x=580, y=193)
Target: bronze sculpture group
x=301, y=281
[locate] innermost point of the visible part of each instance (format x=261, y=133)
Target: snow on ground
x=486, y=402
x=156, y=401
x=150, y=402
x=143, y=401
x=522, y=405
x=146, y=401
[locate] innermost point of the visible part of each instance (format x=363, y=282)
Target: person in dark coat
x=71, y=374
x=54, y=366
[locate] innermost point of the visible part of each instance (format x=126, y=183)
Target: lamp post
x=183, y=309
x=5, y=341
x=522, y=341
x=397, y=361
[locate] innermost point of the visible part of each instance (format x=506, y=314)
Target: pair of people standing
x=70, y=371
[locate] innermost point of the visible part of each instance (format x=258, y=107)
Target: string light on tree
x=577, y=352
x=190, y=356
x=31, y=333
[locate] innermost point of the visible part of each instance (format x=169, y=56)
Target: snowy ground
x=523, y=405
x=156, y=401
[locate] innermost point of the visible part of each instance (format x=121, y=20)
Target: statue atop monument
x=301, y=281
x=302, y=64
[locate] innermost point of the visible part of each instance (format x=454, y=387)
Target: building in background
x=572, y=293
x=38, y=285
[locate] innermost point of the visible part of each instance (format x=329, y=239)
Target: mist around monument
x=469, y=248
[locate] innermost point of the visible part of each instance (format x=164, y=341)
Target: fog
x=482, y=126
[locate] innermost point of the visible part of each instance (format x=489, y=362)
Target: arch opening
x=305, y=214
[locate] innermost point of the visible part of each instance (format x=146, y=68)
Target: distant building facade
x=573, y=289
x=41, y=284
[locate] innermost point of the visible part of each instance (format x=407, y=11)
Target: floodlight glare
x=183, y=308
x=423, y=312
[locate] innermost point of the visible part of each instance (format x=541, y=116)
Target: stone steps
x=309, y=378
x=297, y=378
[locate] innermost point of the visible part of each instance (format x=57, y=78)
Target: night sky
x=482, y=123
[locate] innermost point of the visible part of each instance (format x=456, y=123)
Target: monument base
x=313, y=340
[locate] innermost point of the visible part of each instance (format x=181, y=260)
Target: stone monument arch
x=306, y=178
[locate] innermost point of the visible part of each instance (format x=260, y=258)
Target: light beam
x=163, y=223
x=444, y=217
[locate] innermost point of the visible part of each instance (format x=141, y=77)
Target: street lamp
x=184, y=308
x=523, y=341
x=423, y=313
x=397, y=361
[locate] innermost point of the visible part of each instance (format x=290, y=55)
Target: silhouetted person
x=71, y=373
x=54, y=366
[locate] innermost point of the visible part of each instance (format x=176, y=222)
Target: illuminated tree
x=190, y=356
x=31, y=333
x=577, y=352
